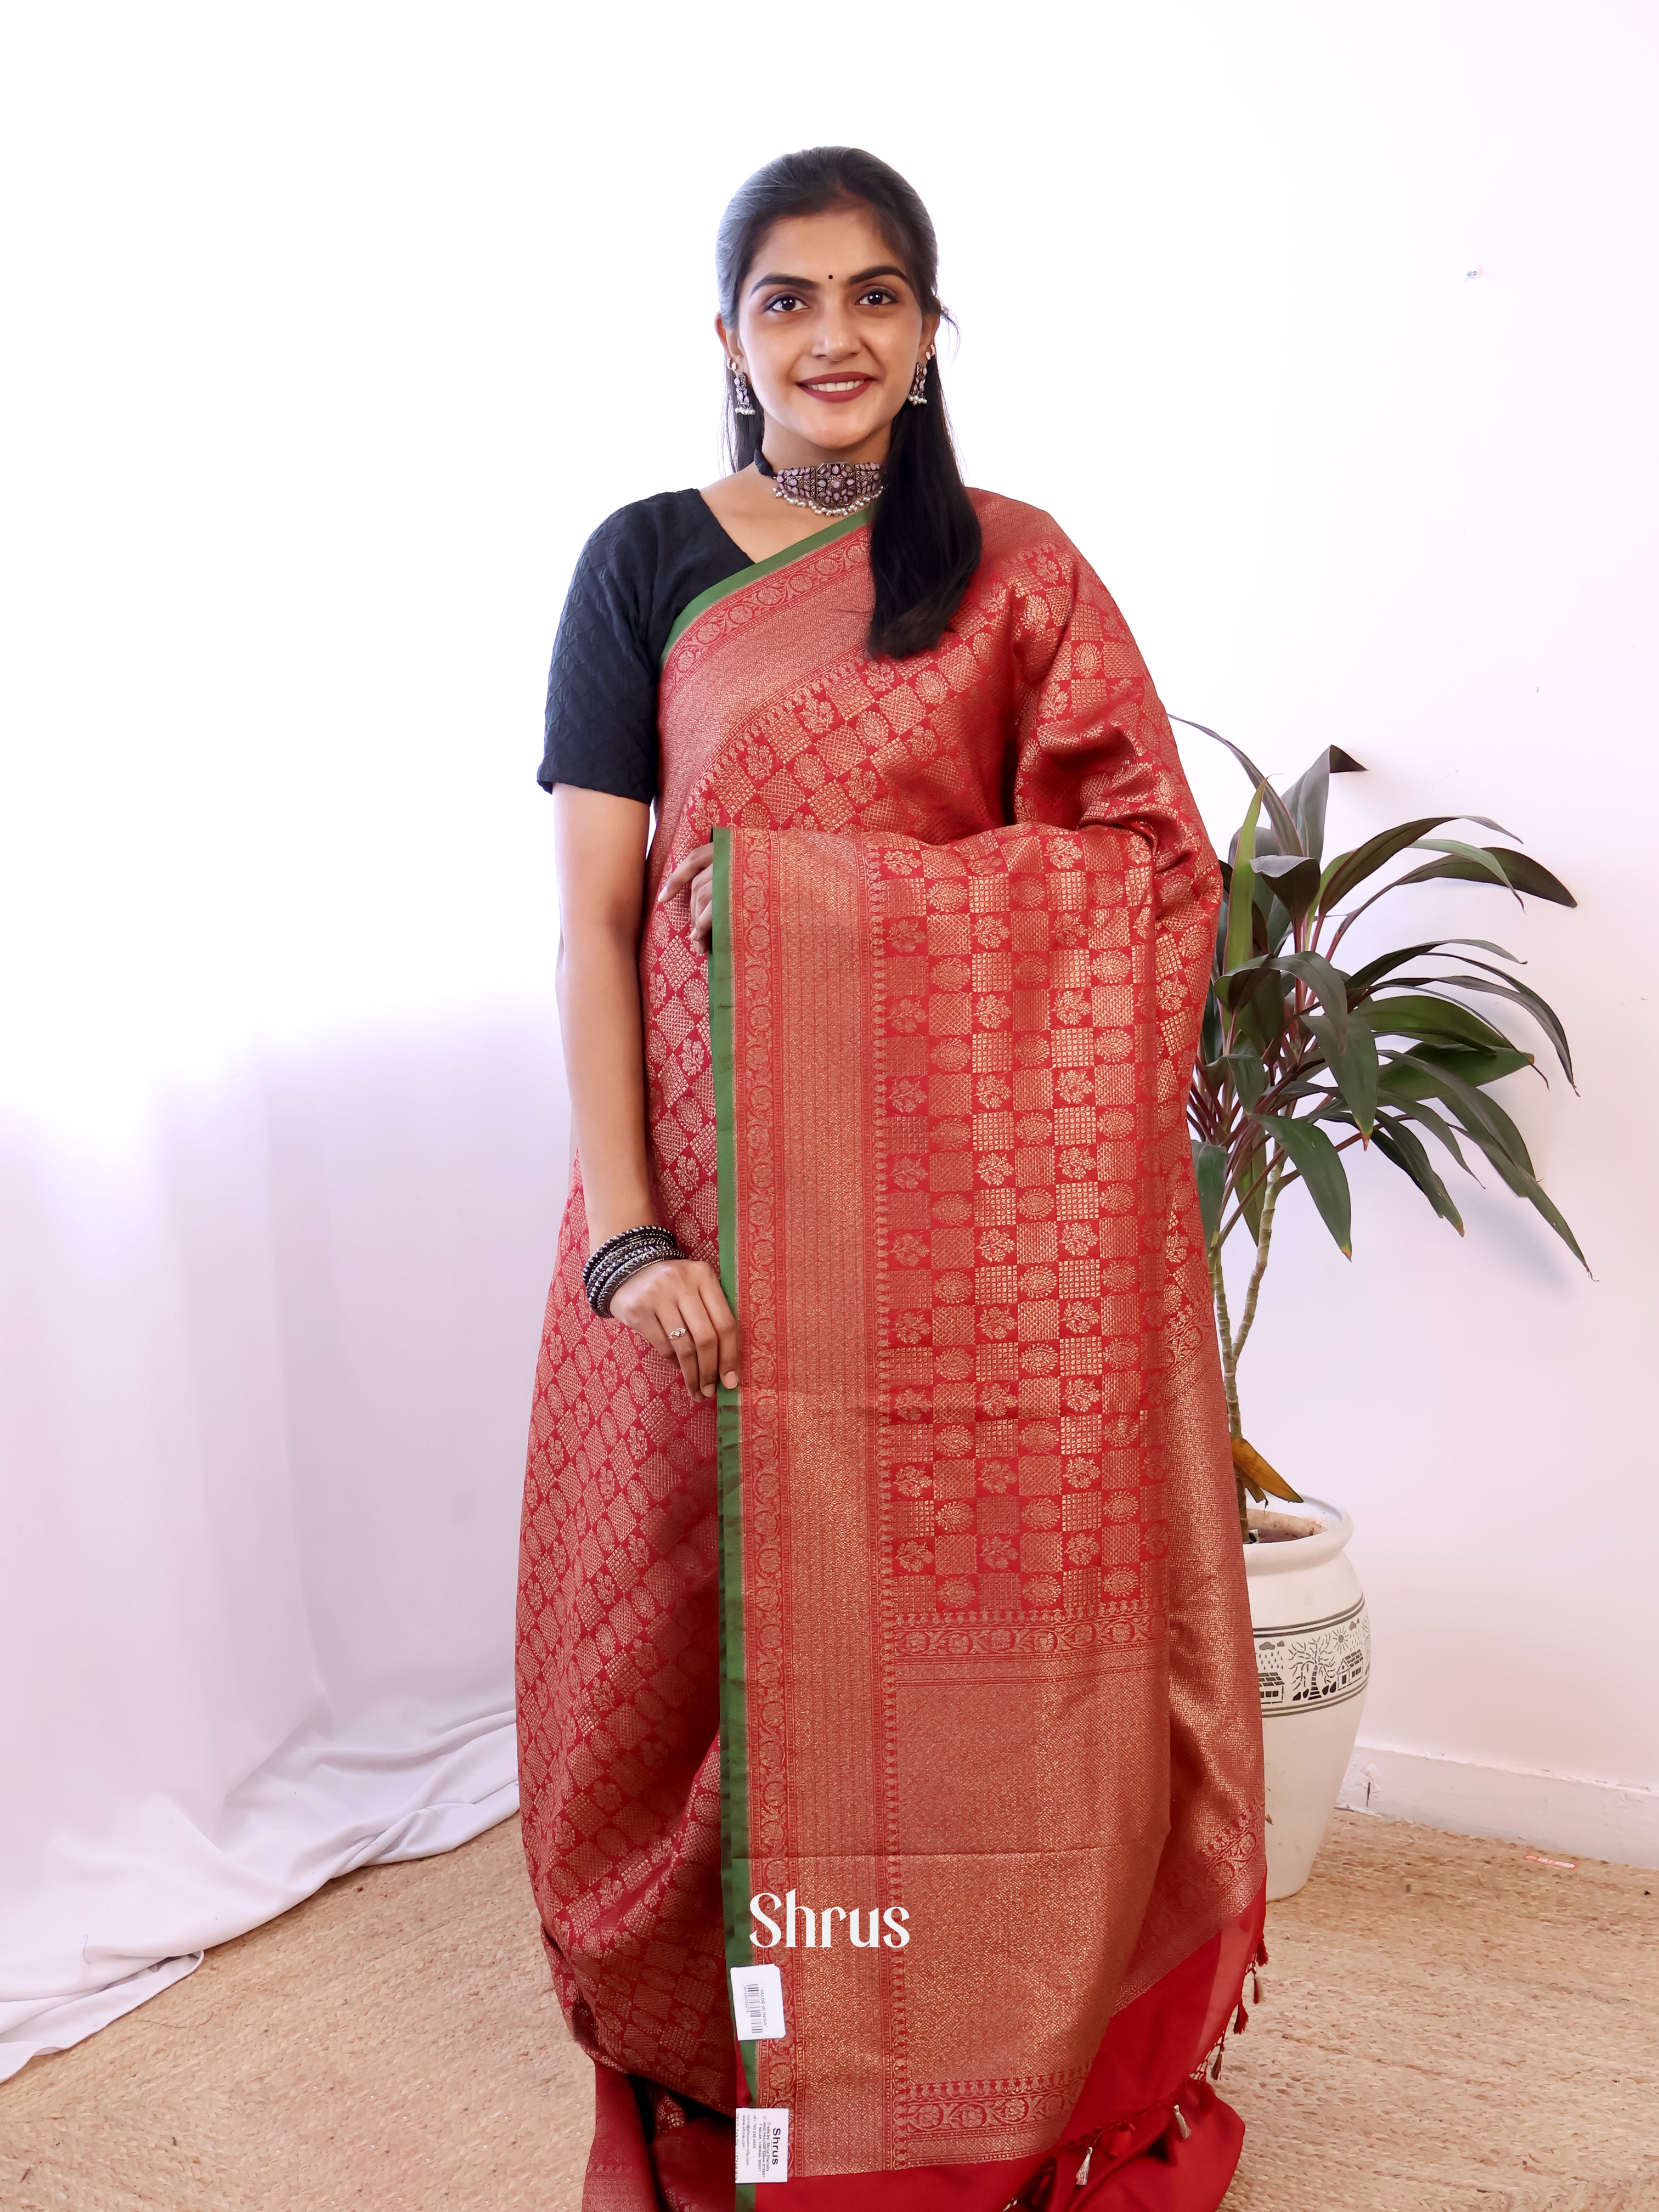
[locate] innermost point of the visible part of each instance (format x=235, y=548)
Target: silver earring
x=917, y=395
x=741, y=401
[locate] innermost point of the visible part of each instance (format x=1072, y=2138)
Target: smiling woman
x=928, y=1589
x=831, y=329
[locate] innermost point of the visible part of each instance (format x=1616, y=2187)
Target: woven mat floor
x=1448, y=2027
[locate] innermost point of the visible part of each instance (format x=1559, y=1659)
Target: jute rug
x=1448, y=2026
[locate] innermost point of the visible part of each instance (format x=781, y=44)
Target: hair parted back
x=925, y=540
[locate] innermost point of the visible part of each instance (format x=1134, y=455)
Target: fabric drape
x=261, y=1409
x=942, y=1616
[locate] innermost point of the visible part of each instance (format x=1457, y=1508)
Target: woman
x=899, y=1645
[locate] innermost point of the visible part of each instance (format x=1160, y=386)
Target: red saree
x=921, y=1669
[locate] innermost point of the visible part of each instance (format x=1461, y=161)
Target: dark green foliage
x=1299, y=1061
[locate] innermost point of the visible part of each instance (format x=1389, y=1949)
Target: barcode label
x=758, y=2002
x=763, y=2141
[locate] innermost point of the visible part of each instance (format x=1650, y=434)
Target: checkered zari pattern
x=617, y=1702
x=1041, y=997
x=1017, y=1080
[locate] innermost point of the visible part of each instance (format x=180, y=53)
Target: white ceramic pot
x=1313, y=1658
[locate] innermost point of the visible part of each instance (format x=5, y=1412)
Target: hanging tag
x=757, y=2004
x=763, y=2142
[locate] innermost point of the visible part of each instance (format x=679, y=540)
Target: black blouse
x=637, y=575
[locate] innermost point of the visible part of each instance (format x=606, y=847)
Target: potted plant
x=1300, y=1058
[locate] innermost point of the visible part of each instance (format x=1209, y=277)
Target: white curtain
x=265, y=1405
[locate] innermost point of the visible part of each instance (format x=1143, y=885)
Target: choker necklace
x=828, y=487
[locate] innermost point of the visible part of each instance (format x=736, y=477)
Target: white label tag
x=757, y=2004
x=763, y=2141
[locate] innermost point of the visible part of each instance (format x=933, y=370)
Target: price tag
x=763, y=2141
x=757, y=2004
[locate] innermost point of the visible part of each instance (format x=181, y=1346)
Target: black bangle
x=649, y=1233
x=610, y=1264
x=605, y=1286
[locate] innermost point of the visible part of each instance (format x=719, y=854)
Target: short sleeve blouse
x=637, y=575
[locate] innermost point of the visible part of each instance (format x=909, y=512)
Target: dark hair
x=925, y=541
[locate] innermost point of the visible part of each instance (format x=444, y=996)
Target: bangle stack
x=610, y=1264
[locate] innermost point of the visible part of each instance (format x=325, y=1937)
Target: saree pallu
x=920, y=1666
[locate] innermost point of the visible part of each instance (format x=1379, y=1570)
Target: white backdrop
x=340, y=327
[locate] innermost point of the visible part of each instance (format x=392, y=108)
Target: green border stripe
x=728, y=1417
x=753, y=574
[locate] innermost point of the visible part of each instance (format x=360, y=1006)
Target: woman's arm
x=600, y=845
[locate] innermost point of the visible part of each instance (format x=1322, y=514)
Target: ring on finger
x=673, y=1333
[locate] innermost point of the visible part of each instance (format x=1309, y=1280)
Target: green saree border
x=728, y=1418
x=752, y=574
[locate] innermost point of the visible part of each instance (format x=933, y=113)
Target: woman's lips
x=838, y=390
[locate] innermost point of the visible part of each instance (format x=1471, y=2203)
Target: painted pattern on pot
x=1313, y=1656
x=1311, y=1664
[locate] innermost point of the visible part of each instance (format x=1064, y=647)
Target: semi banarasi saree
x=917, y=1669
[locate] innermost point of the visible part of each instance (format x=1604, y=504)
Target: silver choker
x=827, y=487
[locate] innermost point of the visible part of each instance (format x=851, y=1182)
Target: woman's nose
x=833, y=337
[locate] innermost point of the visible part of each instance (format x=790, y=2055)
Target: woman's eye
x=783, y=300
x=877, y=296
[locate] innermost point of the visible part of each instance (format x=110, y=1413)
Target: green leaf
x=1385, y=962
x=1210, y=1167
x=1482, y=1117
x=1526, y=1185
x=1321, y=1167
x=1349, y=870
x=1255, y=997
x=1241, y=896
x=1404, y=1148
x=1353, y=1062
x=1278, y=813
x=1249, y=1076
x=1477, y=856
x=1534, y=1192
x=1328, y=984
x=1435, y=1021
x=1210, y=1036
x=1306, y=797
x=1505, y=986
x=1266, y=1006
x=1520, y=871
x=1294, y=879
x=1281, y=922
x=1473, y=1068
x=1415, y=1109
x=1304, y=1085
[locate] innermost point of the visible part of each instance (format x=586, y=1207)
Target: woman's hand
x=697, y=870
x=678, y=1306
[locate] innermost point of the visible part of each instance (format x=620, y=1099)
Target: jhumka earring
x=741, y=400
x=917, y=395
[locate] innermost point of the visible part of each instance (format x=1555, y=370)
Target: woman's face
x=829, y=333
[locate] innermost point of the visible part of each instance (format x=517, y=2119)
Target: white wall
x=349, y=321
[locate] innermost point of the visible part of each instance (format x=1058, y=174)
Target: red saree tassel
x=1038, y=2193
